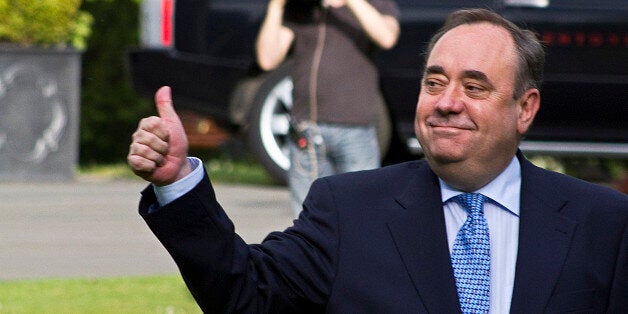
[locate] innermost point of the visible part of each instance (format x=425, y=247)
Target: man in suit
x=401, y=239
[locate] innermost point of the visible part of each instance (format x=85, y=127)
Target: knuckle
x=149, y=123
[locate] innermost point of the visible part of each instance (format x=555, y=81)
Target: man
x=476, y=228
x=336, y=84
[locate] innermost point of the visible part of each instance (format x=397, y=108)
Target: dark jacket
x=375, y=242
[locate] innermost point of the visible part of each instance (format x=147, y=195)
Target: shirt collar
x=504, y=189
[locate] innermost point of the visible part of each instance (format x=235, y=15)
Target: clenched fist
x=159, y=147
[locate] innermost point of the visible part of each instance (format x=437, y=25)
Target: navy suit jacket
x=375, y=242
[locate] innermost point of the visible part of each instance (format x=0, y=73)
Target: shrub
x=44, y=23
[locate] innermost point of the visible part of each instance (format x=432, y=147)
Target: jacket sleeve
x=290, y=271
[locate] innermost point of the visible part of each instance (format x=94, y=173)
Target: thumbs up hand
x=159, y=147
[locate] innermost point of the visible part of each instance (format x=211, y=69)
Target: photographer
x=336, y=84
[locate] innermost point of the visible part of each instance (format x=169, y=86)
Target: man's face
x=466, y=115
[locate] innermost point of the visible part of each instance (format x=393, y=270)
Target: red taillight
x=167, y=8
x=564, y=39
x=596, y=39
x=584, y=39
x=613, y=39
x=580, y=39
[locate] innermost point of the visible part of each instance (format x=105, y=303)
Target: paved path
x=90, y=228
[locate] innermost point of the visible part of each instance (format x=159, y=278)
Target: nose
x=450, y=101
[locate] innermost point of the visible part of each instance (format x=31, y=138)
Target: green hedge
x=44, y=23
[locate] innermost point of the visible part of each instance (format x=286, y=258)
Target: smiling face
x=467, y=121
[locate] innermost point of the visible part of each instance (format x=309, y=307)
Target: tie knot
x=472, y=202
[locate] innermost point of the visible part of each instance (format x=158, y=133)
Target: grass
x=220, y=170
x=237, y=171
x=111, y=171
x=598, y=170
x=150, y=294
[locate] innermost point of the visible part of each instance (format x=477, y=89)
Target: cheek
x=422, y=107
x=505, y=126
x=421, y=112
x=417, y=113
x=419, y=116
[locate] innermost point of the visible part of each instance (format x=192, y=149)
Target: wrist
x=275, y=11
x=185, y=170
x=170, y=192
x=351, y=4
x=277, y=5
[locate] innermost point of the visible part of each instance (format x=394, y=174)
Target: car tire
x=268, y=125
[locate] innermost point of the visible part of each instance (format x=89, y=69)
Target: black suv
x=204, y=49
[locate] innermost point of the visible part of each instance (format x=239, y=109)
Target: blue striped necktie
x=471, y=258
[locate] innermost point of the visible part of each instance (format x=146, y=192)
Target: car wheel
x=268, y=125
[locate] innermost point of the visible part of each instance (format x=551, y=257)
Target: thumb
x=163, y=101
x=175, y=165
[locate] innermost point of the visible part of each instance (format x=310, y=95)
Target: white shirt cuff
x=168, y=193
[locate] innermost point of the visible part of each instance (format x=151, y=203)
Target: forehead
x=482, y=47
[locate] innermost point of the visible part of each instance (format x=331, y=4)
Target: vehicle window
x=562, y=4
x=528, y=3
x=589, y=4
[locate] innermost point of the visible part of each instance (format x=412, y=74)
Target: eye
x=476, y=91
x=433, y=86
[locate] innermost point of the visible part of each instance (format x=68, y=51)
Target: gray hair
x=529, y=49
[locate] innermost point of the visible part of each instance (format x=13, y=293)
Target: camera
x=304, y=4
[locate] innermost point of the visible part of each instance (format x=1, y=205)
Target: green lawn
x=154, y=294
x=238, y=171
x=219, y=170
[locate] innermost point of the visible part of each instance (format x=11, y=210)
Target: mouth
x=450, y=125
x=446, y=132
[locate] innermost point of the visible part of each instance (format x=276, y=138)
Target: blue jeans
x=331, y=149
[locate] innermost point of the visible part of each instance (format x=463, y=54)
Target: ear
x=527, y=106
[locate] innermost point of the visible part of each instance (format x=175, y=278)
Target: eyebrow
x=435, y=69
x=477, y=75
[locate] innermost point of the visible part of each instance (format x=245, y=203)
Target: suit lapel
x=421, y=239
x=544, y=241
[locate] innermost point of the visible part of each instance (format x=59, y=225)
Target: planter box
x=39, y=113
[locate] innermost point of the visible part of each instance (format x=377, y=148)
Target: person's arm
x=383, y=30
x=290, y=272
x=274, y=39
x=222, y=272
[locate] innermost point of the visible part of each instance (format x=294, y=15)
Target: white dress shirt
x=502, y=215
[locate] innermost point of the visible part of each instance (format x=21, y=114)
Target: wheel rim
x=274, y=122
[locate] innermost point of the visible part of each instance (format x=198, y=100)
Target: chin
x=444, y=156
x=446, y=159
